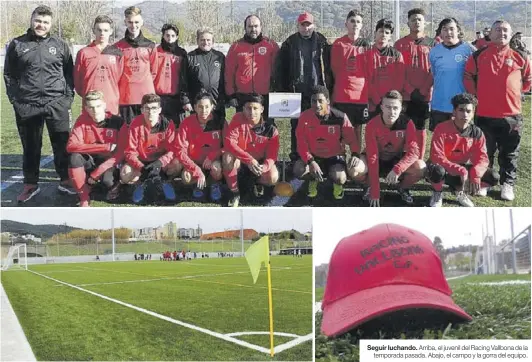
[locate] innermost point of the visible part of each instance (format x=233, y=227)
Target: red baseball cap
x=305, y=17
x=383, y=269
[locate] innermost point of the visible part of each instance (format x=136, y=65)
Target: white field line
x=184, y=324
x=293, y=343
x=458, y=277
x=64, y=271
x=282, y=347
x=504, y=282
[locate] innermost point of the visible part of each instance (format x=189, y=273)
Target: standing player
x=137, y=79
x=391, y=151
x=447, y=62
x=39, y=84
x=149, y=152
x=302, y=63
x=206, y=68
x=251, y=141
x=321, y=134
x=483, y=42
x=415, y=49
x=96, y=145
x=249, y=64
x=458, y=155
x=198, y=147
x=348, y=64
x=498, y=74
x=99, y=66
x=169, y=64
x=386, y=67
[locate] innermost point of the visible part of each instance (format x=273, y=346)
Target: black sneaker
x=235, y=199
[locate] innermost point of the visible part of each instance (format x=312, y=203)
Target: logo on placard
x=284, y=102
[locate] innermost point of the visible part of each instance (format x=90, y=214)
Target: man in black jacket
x=206, y=70
x=38, y=73
x=302, y=63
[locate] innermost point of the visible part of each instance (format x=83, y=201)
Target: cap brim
x=355, y=309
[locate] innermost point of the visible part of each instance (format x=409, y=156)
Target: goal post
x=17, y=258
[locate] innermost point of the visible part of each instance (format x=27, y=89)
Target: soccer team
x=134, y=127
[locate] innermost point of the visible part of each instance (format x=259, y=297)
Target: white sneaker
x=483, y=191
x=436, y=200
x=507, y=192
x=463, y=200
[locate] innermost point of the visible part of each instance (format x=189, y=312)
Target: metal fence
x=510, y=257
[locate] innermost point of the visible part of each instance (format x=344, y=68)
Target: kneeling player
x=321, y=134
x=149, y=154
x=96, y=145
x=254, y=142
x=458, y=154
x=392, y=151
x=198, y=147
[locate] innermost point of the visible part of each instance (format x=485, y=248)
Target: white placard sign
x=284, y=105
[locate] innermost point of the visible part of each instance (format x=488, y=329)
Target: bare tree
x=271, y=22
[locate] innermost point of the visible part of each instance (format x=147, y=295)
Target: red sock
x=231, y=177
x=78, y=177
x=421, y=140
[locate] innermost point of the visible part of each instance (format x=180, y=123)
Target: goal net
x=17, y=258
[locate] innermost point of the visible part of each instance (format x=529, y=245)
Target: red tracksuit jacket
x=89, y=137
x=194, y=144
x=248, y=67
x=137, y=79
x=147, y=144
x=417, y=65
x=324, y=138
x=451, y=149
x=348, y=64
x=99, y=70
x=248, y=142
x=497, y=76
x=386, y=72
x=166, y=67
x=383, y=143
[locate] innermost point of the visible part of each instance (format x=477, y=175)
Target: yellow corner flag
x=257, y=254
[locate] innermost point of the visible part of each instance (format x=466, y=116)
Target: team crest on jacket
x=399, y=134
x=216, y=135
x=361, y=50
x=52, y=50
x=262, y=50
x=459, y=58
x=331, y=129
x=469, y=142
x=109, y=133
x=216, y=64
x=112, y=59
x=509, y=62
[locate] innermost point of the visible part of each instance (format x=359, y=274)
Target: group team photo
x=431, y=119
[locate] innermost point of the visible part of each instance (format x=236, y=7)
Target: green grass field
x=11, y=167
x=64, y=323
x=498, y=311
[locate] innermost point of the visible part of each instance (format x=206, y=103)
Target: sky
x=210, y=220
x=454, y=226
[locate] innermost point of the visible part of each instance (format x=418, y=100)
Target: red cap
x=305, y=17
x=380, y=270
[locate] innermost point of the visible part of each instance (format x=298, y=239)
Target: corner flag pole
x=270, y=305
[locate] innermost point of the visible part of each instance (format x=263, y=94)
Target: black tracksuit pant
x=30, y=131
x=503, y=134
